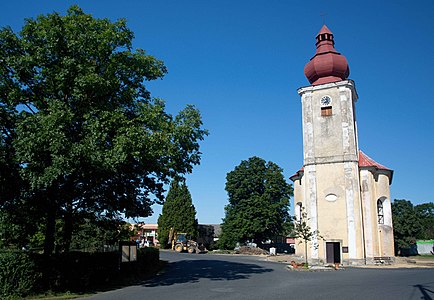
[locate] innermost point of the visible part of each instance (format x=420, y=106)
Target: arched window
x=298, y=212
x=380, y=212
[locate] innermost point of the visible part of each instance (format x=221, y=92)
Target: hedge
x=19, y=274
x=23, y=273
x=80, y=271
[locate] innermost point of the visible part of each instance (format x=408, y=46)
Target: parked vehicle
x=181, y=243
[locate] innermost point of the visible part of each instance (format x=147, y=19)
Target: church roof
x=367, y=162
x=364, y=162
x=324, y=29
x=327, y=65
x=298, y=174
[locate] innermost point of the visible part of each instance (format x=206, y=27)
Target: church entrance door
x=333, y=252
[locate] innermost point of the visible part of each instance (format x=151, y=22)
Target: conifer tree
x=178, y=213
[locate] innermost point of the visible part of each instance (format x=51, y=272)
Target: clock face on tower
x=326, y=101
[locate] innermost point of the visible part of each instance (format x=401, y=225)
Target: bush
x=147, y=263
x=148, y=256
x=80, y=271
x=23, y=273
x=19, y=274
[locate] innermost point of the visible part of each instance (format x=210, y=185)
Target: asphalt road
x=207, y=276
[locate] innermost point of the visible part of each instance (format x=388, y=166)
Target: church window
x=380, y=212
x=331, y=197
x=299, y=212
x=326, y=111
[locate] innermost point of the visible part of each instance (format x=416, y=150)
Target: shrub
x=23, y=273
x=148, y=256
x=19, y=275
x=80, y=271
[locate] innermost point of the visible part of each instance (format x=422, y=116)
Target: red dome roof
x=327, y=65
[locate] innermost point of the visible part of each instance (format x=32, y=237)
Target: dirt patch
x=251, y=251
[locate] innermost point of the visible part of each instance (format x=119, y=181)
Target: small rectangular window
x=326, y=111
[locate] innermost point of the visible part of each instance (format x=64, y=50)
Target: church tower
x=329, y=190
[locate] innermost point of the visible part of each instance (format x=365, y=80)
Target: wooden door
x=333, y=252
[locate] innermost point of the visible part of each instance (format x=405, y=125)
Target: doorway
x=333, y=252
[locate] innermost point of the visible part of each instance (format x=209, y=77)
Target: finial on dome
x=327, y=65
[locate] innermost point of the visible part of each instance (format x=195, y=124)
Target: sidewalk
x=400, y=262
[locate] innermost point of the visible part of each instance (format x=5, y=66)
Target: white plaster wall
x=368, y=211
x=331, y=168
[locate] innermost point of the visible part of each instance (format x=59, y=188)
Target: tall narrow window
x=326, y=111
x=298, y=212
x=380, y=212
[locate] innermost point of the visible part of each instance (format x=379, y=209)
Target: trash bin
x=272, y=251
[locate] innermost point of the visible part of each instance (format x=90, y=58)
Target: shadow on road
x=424, y=290
x=193, y=270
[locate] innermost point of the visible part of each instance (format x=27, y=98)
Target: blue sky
x=241, y=62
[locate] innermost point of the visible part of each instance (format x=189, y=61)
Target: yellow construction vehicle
x=180, y=243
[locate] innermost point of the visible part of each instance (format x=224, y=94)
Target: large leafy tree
x=406, y=223
x=178, y=214
x=258, y=207
x=425, y=213
x=79, y=126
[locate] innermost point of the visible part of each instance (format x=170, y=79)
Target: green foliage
x=93, y=235
x=79, y=271
x=258, y=203
x=425, y=213
x=80, y=132
x=21, y=272
x=406, y=223
x=19, y=275
x=178, y=213
x=9, y=232
x=148, y=256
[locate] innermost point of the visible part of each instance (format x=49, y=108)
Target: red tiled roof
x=366, y=161
x=297, y=174
x=324, y=29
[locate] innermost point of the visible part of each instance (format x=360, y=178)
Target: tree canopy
x=406, y=223
x=178, y=213
x=425, y=213
x=79, y=130
x=258, y=207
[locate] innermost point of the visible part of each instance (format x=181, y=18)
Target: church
x=340, y=192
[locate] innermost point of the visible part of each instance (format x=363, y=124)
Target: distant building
x=207, y=234
x=425, y=246
x=345, y=193
x=147, y=232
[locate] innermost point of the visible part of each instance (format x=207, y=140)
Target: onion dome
x=327, y=65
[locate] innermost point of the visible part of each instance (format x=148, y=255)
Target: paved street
x=208, y=276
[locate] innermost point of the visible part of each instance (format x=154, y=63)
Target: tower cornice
x=343, y=83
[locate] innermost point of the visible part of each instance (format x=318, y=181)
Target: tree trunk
x=67, y=230
x=50, y=229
